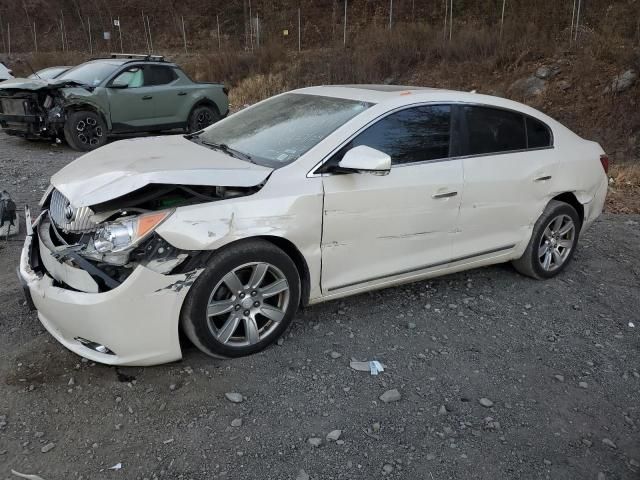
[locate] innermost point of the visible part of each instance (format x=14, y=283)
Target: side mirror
x=366, y=159
x=118, y=86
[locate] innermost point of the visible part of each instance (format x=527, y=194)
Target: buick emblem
x=69, y=213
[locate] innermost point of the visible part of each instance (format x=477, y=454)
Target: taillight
x=604, y=160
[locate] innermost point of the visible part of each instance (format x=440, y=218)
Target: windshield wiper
x=223, y=147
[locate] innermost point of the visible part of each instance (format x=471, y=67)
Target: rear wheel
x=85, y=130
x=553, y=242
x=243, y=301
x=201, y=117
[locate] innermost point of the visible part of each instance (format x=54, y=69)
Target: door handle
x=147, y=97
x=444, y=195
x=543, y=179
x=182, y=94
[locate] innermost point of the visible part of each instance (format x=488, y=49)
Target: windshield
x=48, y=73
x=92, y=74
x=280, y=130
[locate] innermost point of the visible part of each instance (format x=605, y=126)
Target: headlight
x=126, y=233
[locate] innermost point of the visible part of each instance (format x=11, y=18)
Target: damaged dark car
x=103, y=97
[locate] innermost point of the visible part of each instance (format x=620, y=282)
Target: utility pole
x=184, y=36
x=578, y=19
x=344, y=34
x=299, y=32
x=218, y=25
x=90, y=39
x=451, y=20
x=390, y=14
x=150, y=37
x=146, y=38
x=35, y=37
x=257, y=31
x=502, y=18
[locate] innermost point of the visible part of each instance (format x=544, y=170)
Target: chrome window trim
x=312, y=172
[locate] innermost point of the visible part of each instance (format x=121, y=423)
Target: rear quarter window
x=538, y=134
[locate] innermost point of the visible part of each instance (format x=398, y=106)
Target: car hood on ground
x=128, y=165
x=35, y=84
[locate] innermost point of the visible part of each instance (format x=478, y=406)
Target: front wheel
x=243, y=301
x=553, y=242
x=85, y=130
x=201, y=117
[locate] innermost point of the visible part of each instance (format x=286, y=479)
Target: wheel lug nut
x=242, y=295
x=247, y=313
x=254, y=293
x=237, y=307
x=256, y=304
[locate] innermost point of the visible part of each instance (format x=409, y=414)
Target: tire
x=85, y=130
x=201, y=117
x=553, y=242
x=225, y=324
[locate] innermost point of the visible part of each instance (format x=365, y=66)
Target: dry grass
x=256, y=88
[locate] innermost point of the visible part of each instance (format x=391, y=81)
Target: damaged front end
x=106, y=242
x=34, y=109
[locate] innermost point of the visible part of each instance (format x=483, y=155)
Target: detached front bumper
x=134, y=324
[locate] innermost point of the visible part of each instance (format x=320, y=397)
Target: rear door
x=132, y=108
x=167, y=95
x=375, y=227
x=509, y=166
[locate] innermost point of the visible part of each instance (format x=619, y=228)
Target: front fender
x=79, y=97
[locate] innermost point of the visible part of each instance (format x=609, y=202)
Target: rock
x=430, y=456
x=622, y=82
x=547, y=462
x=334, y=435
x=72, y=382
x=391, y=396
x=583, y=385
x=609, y=443
x=335, y=355
x=172, y=387
x=546, y=72
x=634, y=463
x=234, y=397
x=528, y=87
x=387, y=468
x=442, y=410
x=48, y=447
x=375, y=427
x=485, y=402
x=411, y=325
x=560, y=378
x=564, y=85
x=315, y=441
x=280, y=342
x=302, y=475
x=586, y=442
x=236, y=422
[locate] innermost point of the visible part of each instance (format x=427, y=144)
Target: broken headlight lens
x=126, y=233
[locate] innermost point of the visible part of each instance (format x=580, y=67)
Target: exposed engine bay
x=109, y=240
x=39, y=112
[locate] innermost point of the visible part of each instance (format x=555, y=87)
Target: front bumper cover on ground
x=137, y=322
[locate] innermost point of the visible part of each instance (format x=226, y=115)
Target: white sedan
x=308, y=196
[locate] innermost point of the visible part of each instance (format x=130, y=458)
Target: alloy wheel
x=246, y=306
x=556, y=243
x=88, y=131
x=204, y=119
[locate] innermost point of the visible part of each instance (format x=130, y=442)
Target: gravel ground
x=498, y=377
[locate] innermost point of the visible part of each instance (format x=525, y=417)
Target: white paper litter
x=373, y=366
x=117, y=466
x=28, y=477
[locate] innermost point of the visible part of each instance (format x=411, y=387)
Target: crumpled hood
x=36, y=84
x=128, y=165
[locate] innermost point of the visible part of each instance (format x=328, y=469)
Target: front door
x=132, y=107
x=378, y=228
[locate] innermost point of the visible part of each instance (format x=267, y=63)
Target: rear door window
x=159, y=75
x=492, y=130
x=412, y=135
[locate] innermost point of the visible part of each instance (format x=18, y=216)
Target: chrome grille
x=68, y=218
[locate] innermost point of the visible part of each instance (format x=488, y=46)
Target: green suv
x=121, y=94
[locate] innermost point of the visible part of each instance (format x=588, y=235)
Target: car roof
x=400, y=95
